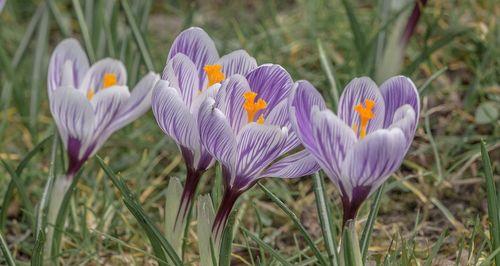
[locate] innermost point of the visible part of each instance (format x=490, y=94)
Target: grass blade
x=137, y=35
x=328, y=69
x=436, y=248
x=227, y=240
x=359, y=36
x=85, y=30
x=297, y=223
x=325, y=218
x=367, y=231
x=20, y=189
x=160, y=245
x=41, y=215
x=350, y=253
x=492, y=199
x=6, y=252
x=266, y=247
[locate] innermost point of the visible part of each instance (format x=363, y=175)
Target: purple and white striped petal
x=181, y=73
x=138, y=103
x=216, y=134
x=199, y=47
x=332, y=141
x=74, y=118
x=174, y=117
x=237, y=62
x=296, y=165
x=230, y=101
x=93, y=79
x=404, y=119
x=258, y=145
x=271, y=83
x=107, y=104
x=68, y=65
x=301, y=102
x=398, y=91
x=356, y=92
x=373, y=159
x=280, y=116
x=209, y=92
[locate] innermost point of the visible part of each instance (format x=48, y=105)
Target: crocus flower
x=90, y=103
x=192, y=73
x=2, y=4
x=366, y=141
x=246, y=128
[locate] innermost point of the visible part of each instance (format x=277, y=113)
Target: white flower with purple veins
x=90, y=103
x=366, y=141
x=246, y=127
x=192, y=73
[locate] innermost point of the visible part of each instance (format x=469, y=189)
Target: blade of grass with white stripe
x=84, y=29
x=266, y=247
x=226, y=245
x=6, y=252
x=492, y=198
x=368, y=229
x=160, y=245
x=41, y=215
x=297, y=223
x=328, y=69
x=326, y=219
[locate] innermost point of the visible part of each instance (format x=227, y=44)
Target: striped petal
x=107, y=104
x=356, y=92
x=237, y=62
x=93, y=79
x=216, y=134
x=271, y=83
x=197, y=46
x=258, y=145
x=301, y=102
x=371, y=160
x=181, y=73
x=74, y=118
x=174, y=117
x=280, y=116
x=230, y=101
x=138, y=103
x=404, y=119
x=332, y=141
x=398, y=91
x=296, y=165
x=68, y=65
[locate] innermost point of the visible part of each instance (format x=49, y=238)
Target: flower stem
x=225, y=208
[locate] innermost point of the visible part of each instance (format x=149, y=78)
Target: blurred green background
x=453, y=58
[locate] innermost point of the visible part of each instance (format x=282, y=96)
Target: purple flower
x=193, y=73
x=90, y=103
x=246, y=127
x=361, y=146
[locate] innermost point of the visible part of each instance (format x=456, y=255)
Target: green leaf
x=326, y=219
x=161, y=246
x=350, y=254
x=266, y=247
x=435, y=248
x=297, y=223
x=227, y=240
x=492, y=199
x=328, y=69
x=486, y=113
x=174, y=192
x=359, y=36
x=206, y=215
x=85, y=30
x=368, y=229
x=6, y=252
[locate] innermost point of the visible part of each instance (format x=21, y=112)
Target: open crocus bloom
x=89, y=104
x=246, y=128
x=193, y=73
x=361, y=146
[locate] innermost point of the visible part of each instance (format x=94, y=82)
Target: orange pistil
x=214, y=74
x=252, y=107
x=365, y=115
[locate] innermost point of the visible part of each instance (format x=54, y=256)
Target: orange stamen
x=253, y=107
x=90, y=94
x=108, y=80
x=214, y=74
x=365, y=115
